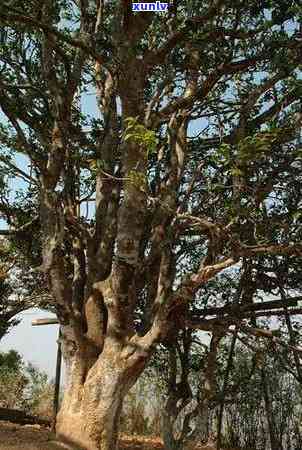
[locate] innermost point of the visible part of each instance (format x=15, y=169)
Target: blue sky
x=36, y=344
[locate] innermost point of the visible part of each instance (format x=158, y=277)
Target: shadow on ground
x=36, y=437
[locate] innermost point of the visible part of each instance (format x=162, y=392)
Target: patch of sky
x=16, y=184
x=89, y=105
x=37, y=345
x=197, y=127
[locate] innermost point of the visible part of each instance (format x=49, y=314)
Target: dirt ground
x=35, y=437
x=27, y=437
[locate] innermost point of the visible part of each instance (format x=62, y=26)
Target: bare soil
x=35, y=437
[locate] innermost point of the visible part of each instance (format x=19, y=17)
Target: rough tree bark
x=89, y=416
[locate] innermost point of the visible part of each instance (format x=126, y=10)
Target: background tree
x=23, y=387
x=261, y=413
x=20, y=287
x=172, y=204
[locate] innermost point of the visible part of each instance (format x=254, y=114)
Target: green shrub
x=23, y=386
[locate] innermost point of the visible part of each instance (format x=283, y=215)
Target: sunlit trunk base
x=88, y=433
x=90, y=413
x=95, y=425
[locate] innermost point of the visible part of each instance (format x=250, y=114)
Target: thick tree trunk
x=90, y=413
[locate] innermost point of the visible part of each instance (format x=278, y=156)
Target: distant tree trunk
x=275, y=443
x=224, y=387
x=180, y=396
x=168, y=426
x=171, y=411
x=179, y=439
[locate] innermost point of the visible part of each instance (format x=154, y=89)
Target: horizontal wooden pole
x=49, y=321
x=260, y=332
x=279, y=312
x=196, y=323
x=243, y=307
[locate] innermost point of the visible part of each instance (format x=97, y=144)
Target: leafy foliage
x=23, y=386
x=140, y=135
